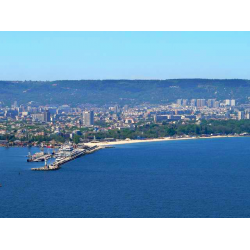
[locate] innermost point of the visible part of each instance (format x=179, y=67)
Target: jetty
x=91, y=150
x=62, y=160
x=38, y=157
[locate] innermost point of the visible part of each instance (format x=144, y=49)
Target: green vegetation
x=209, y=127
x=205, y=127
x=122, y=91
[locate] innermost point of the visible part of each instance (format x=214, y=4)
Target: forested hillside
x=121, y=91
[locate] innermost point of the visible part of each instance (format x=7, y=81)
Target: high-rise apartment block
x=193, y=102
x=233, y=103
x=241, y=115
x=217, y=104
x=201, y=103
x=179, y=102
x=46, y=116
x=230, y=102
x=88, y=118
x=185, y=102
x=211, y=103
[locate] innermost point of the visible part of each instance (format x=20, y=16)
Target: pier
x=58, y=163
x=38, y=157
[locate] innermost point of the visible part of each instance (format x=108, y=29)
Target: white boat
x=59, y=159
x=66, y=148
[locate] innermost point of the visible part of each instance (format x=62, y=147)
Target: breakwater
x=59, y=162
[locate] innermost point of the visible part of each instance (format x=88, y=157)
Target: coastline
x=112, y=143
x=130, y=141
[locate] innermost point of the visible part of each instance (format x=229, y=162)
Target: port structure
x=70, y=157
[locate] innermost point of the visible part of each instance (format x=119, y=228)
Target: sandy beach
x=151, y=140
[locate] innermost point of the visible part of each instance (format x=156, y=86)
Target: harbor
x=65, y=154
x=38, y=157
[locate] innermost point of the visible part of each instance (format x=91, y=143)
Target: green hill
x=121, y=91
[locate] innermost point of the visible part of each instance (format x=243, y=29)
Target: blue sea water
x=191, y=178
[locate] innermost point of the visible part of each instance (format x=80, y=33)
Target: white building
x=241, y=115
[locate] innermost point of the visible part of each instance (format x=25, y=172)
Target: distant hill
x=121, y=91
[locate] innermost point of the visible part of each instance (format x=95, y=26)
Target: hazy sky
x=130, y=55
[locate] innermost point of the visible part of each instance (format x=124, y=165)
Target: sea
x=203, y=178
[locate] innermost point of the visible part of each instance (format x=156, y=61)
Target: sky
x=124, y=55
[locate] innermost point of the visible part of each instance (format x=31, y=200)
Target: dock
x=47, y=168
x=57, y=165
x=38, y=157
x=93, y=149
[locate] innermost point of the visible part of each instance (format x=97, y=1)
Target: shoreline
x=156, y=140
x=131, y=141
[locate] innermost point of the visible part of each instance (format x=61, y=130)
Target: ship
x=67, y=151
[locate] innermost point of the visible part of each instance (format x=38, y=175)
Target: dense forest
x=102, y=92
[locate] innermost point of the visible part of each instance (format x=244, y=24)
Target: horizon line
x=126, y=79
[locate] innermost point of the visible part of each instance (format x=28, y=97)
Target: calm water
x=194, y=178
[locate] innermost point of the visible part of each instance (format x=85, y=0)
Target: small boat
x=0, y=185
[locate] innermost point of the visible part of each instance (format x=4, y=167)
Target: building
x=129, y=120
x=241, y=115
x=233, y=103
x=211, y=103
x=46, y=116
x=41, y=117
x=64, y=109
x=227, y=115
x=228, y=102
x=179, y=102
x=193, y=102
x=88, y=118
x=247, y=116
x=3, y=142
x=201, y=103
x=116, y=109
x=217, y=104
x=15, y=105
x=37, y=117
x=11, y=113
x=185, y=102
x=161, y=118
